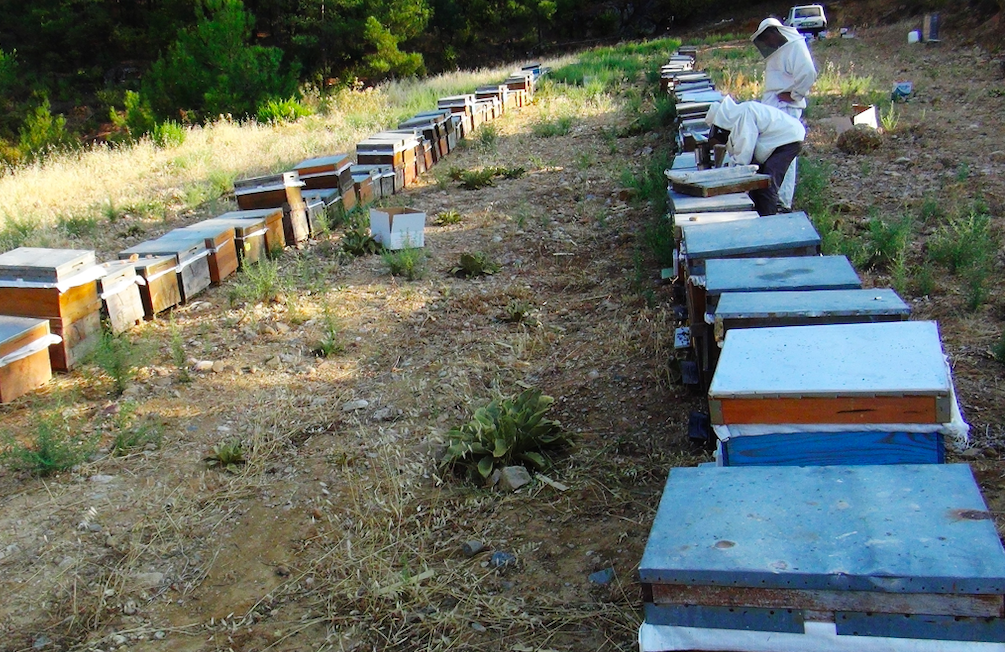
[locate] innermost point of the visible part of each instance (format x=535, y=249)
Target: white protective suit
x=788, y=69
x=755, y=129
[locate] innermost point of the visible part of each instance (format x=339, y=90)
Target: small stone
x=602, y=577
x=514, y=477
x=478, y=627
x=903, y=160
x=282, y=571
x=273, y=363
x=101, y=479
x=159, y=635
x=41, y=641
x=502, y=559
x=149, y=580
x=129, y=608
x=472, y=548
x=383, y=414
x=119, y=639
x=353, y=406
x=204, y=365
x=593, y=375
x=971, y=454
x=282, y=328
x=219, y=367
x=131, y=391
x=497, y=238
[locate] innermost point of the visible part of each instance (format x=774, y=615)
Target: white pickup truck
x=808, y=19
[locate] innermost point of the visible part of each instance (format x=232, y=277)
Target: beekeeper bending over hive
x=789, y=74
x=760, y=134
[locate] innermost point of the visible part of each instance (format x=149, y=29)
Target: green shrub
x=998, y=349
x=889, y=239
x=506, y=432
x=137, y=118
x=15, y=232
x=812, y=187
x=168, y=134
x=134, y=433
x=409, y=262
x=448, y=217
x=77, y=227
x=212, y=69
x=276, y=111
x=659, y=238
x=477, y=179
x=358, y=242
x=560, y=126
x=258, y=283
x=42, y=133
x=963, y=242
x=650, y=183
x=53, y=447
x=517, y=311
x=118, y=357
x=488, y=137
x=227, y=455
x=476, y=264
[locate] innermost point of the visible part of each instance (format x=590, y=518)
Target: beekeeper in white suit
x=789, y=74
x=754, y=132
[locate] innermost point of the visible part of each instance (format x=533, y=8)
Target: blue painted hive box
x=805, y=308
x=790, y=234
x=783, y=558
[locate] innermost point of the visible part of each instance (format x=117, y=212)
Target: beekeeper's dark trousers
x=766, y=199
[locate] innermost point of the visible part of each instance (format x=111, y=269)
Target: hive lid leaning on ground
x=897, y=528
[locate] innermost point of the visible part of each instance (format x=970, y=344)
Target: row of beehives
x=52, y=301
x=829, y=521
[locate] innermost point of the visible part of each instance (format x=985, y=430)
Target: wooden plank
x=828, y=448
x=124, y=308
x=852, y=409
x=723, y=186
x=80, y=337
x=296, y=228
x=949, y=604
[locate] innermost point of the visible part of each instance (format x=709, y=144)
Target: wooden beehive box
x=364, y=187
x=789, y=234
x=878, y=373
x=270, y=191
x=681, y=203
x=718, y=181
x=325, y=172
x=457, y=103
x=317, y=216
x=190, y=253
x=160, y=290
x=24, y=356
x=807, y=308
x=896, y=557
x=59, y=285
x=429, y=130
x=222, y=245
x=120, y=294
x=386, y=181
x=331, y=201
x=250, y=232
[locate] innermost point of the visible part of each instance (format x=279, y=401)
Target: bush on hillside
x=212, y=69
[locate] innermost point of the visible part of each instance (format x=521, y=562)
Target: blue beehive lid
x=743, y=237
x=898, y=529
x=762, y=274
x=875, y=302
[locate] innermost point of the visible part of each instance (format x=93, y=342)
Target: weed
x=963, y=242
x=488, y=138
x=178, y=354
x=476, y=264
x=358, y=242
x=889, y=240
x=889, y=118
x=962, y=172
x=227, y=455
x=976, y=289
x=16, y=232
x=448, y=217
x=53, y=447
x=812, y=194
x=658, y=237
x=117, y=357
x=560, y=126
x=510, y=173
x=998, y=349
x=930, y=210
x=517, y=311
x=477, y=179
x=168, y=134
x=78, y=227
x=409, y=262
x=331, y=342
x=278, y=111
x=132, y=432
x=585, y=160
x=258, y=283
x=650, y=183
x=504, y=432
x=111, y=212
x=924, y=280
